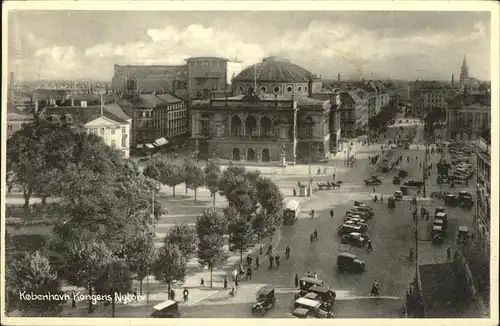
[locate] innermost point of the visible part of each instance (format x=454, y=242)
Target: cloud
x=322, y=46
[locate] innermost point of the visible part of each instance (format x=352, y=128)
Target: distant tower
x=464, y=74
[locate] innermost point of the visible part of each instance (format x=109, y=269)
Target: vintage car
x=365, y=209
x=302, y=313
x=357, y=212
x=438, y=210
x=349, y=228
x=347, y=261
x=451, y=200
x=356, y=239
x=402, y=174
x=465, y=199
x=166, y=309
x=442, y=179
x=398, y=195
x=374, y=180
x=396, y=180
x=357, y=221
x=313, y=307
x=391, y=202
x=305, y=284
x=463, y=235
x=413, y=183
x=325, y=295
x=438, y=234
x=265, y=300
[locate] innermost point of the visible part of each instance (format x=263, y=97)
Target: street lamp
x=310, y=174
x=283, y=157
x=196, y=150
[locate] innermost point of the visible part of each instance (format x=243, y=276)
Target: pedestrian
x=315, y=275
x=448, y=253
x=249, y=260
x=202, y=282
x=271, y=260
x=269, y=249
x=311, y=238
x=294, y=192
x=172, y=294
x=185, y=294
x=236, y=282
x=381, y=198
x=225, y=282
x=370, y=248
x=296, y=280
x=277, y=259
x=315, y=234
x=256, y=262
x=309, y=275
x=331, y=213
x=249, y=273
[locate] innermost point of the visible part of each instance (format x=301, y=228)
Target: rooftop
x=83, y=115
x=274, y=69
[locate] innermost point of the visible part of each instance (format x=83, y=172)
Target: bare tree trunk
x=186, y=187
x=173, y=191
x=91, y=308
x=213, y=195
x=195, y=194
x=112, y=306
x=27, y=196
x=140, y=286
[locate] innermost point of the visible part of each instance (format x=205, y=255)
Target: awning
x=149, y=145
x=160, y=142
x=140, y=145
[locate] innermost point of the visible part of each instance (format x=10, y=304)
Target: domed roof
x=274, y=69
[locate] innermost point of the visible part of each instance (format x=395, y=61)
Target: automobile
x=355, y=220
x=451, y=200
x=349, y=228
x=347, y=261
x=463, y=235
x=374, y=180
x=305, y=284
x=438, y=222
x=438, y=234
x=443, y=179
x=355, y=238
x=398, y=195
x=166, y=309
x=402, y=174
x=413, y=183
x=465, y=199
x=438, y=210
x=365, y=209
x=459, y=179
x=313, y=308
x=265, y=300
x=355, y=212
x=391, y=202
x=325, y=295
x=302, y=313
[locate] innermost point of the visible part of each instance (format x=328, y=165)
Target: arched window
x=289, y=89
x=266, y=127
x=251, y=126
x=236, y=126
x=263, y=89
x=276, y=89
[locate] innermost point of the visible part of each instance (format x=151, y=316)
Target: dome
x=274, y=69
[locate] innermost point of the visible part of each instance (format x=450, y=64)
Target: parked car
x=374, y=180
x=349, y=228
x=413, y=183
x=398, y=195
x=363, y=226
x=356, y=239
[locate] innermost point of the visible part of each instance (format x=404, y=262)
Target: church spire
x=464, y=62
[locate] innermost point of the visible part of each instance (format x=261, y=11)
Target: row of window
x=102, y=131
x=124, y=142
x=177, y=114
x=176, y=131
x=172, y=107
x=277, y=89
x=207, y=63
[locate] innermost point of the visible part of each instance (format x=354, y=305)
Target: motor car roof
x=437, y=227
x=300, y=312
x=165, y=304
x=308, y=302
x=311, y=280
x=319, y=289
x=265, y=290
x=463, y=228
x=347, y=254
x=441, y=214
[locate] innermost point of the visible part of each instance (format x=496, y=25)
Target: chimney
x=338, y=77
x=452, y=79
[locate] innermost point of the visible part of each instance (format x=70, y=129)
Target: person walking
x=256, y=262
x=249, y=260
x=296, y=280
x=315, y=234
x=249, y=273
x=185, y=294
x=311, y=238
x=225, y=282
x=277, y=259
x=331, y=213
x=271, y=260
x=315, y=275
x=369, y=248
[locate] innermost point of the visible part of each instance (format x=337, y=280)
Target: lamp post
x=154, y=234
x=283, y=157
x=196, y=150
x=310, y=174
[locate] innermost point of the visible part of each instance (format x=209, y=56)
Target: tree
x=140, y=254
x=241, y=233
x=115, y=277
x=170, y=174
x=184, y=237
x=212, y=176
x=152, y=171
x=193, y=176
x=211, y=228
x=170, y=265
x=32, y=274
x=236, y=185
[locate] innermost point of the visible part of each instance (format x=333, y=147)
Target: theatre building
x=272, y=116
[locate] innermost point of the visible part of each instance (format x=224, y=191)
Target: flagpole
x=102, y=107
x=255, y=78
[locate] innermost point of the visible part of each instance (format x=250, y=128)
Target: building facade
x=157, y=116
x=353, y=113
x=16, y=119
x=483, y=205
x=468, y=115
x=426, y=96
x=97, y=120
x=265, y=121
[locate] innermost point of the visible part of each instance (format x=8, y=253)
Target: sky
x=398, y=45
